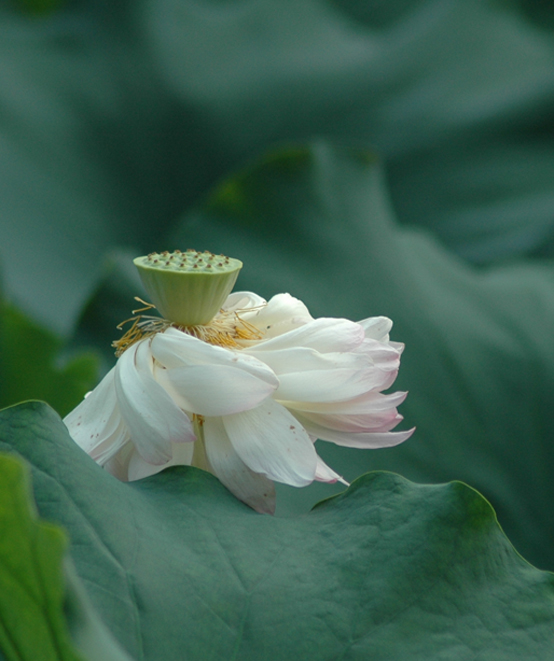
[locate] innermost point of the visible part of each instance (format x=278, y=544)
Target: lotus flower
x=245, y=397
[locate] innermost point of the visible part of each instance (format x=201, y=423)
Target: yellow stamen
x=227, y=329
x=143, y=326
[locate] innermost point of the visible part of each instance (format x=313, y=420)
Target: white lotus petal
x=252, y=488
x=118, y=464
x=324, y=473
x=330, y=385
x=153, y=419
x=377, y=328
x=368, y=422
x=281, y=314
x=96, y=424
x=366, y=403
x=213, y=390
x=383, y=356
x=271, y=441
x=299, y=359
x=371, y=440
x=174, y=349
x=324, y=335
x=239, y=301
x=181, y=455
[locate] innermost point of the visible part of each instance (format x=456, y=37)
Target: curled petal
x=152, y=417
x=369, y=440
x=96, y=424
x=377, y=328
x=324, y=473
x=252, y=488
x=239, y=301
x=281, y=314
x=271, y=441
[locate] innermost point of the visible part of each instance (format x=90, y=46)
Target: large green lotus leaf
x=479, y=360
x=39, y=590
x=180, y=569
x=31, y=365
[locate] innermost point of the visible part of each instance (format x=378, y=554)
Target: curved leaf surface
x=180, y=569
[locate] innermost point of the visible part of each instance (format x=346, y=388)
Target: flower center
x=226, y=329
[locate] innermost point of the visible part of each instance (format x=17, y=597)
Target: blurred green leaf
x=117, y=116
x=40, y=590
x=38, y=7
x=479, y=361
x=111, y=303
x=32, y=585
x=31, y=367
x=181, y=569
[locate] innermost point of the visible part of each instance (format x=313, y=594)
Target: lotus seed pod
x=188, y=288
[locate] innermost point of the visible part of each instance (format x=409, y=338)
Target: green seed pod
x=188, y=288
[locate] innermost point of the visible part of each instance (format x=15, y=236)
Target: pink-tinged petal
x=214, y=390
x=377, y=328
x=174, y=349
x=281, y=314
x=369, y=422
x=324, y=473
x=331, y=385
x=368, y=440
x=272, y=442
x=367, y=403
x=96, y=424
x=252, y=488
x=138, y=468
x=152, y=417
x=325, y=335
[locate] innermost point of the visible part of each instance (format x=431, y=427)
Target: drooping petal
x=369, y=440
x=96, y=424
x=214, y=390
x=373, y=422
x=324, y=473
x=366, y=403
x=252, y=488
x=272, y=442
x=152, y=417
